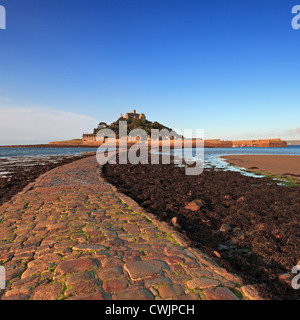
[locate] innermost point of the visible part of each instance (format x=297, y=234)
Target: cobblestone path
x=70, y=235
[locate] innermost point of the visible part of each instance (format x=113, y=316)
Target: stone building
x=261, y=143
x=134, y=115
x=89, y=137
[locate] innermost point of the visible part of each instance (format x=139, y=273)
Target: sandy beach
x=284, y=165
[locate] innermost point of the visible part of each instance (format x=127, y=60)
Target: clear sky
x=228, y=67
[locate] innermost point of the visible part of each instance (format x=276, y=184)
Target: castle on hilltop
x=134, y=115
x=92, y=139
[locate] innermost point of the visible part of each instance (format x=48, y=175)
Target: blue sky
x=228, y=67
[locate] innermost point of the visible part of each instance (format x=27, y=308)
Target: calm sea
x=211, y=155
x=30, y=152
x=208, y=152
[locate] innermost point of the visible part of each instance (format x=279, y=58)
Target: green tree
x=131, y=125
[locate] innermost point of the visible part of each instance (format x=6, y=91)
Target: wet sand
x=275, y=164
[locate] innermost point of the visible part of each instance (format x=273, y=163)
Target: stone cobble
x=70, y=235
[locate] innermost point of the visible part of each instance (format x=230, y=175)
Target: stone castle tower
x=134, y=115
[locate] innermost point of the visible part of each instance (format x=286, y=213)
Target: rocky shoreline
x=249, y=226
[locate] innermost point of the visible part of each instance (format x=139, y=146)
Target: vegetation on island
x=131, y=125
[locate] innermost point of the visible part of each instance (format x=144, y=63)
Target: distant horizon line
x=44, y=143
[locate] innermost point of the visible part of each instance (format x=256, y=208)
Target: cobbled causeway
x=71, y=235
